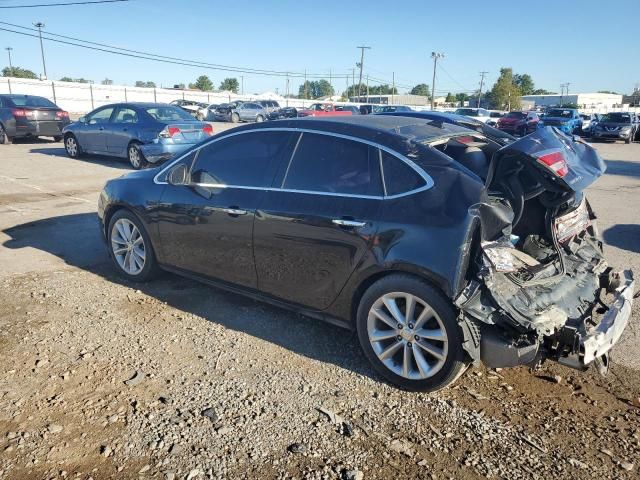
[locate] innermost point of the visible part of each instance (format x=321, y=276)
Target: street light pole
x=362, y=49
x=8, y=49
x=482, y=74
x=40, y=26
x=436, y=56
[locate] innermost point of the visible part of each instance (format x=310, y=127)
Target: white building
x=587, y=102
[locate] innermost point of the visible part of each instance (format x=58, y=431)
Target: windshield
x=168, y=114
x=585, y=117
x=469, y=112
x=516, y=115
x=29, y=101
x=559, y=113
x=617, y=117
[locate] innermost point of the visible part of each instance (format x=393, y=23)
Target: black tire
x=57, y=138
x=4, y=138
x=235, y=118
x=72, y=146
x=150, y=268
x=136, y=157
x=523, y=131
x=629, y=140
x=259, y=119
x=455, y=360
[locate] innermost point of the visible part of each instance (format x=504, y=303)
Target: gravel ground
x=173, y=379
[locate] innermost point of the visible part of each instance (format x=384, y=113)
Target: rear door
x=310, y=233
x=122, y=130
x=207, y=227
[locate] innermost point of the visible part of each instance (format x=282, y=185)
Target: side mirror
x=179, y=175
x=82, y=119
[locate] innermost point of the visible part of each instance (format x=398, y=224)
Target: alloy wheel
x=407, y=335
x=134, y=157
x=72, y=146
x=127, y=245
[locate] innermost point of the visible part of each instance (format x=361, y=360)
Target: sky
x=589, y=44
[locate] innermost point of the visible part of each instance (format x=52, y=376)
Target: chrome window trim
x=424, y=175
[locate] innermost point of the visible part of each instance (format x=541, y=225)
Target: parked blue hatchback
x=143, y=133
x=566, y=119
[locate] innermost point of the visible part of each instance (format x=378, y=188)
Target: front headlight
x=625, y=129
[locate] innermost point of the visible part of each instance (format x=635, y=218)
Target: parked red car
x=519, y=123
x=322, y=110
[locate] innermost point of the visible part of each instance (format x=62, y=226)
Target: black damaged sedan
x=439, y=246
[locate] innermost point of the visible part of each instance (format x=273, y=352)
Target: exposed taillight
x=169, y=132
x=19, y=112
x=208, y=129
x=555, y=162
x=61, y=114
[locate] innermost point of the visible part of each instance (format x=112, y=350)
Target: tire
x=138, y=262
x=235, y=118
x=72, y=147
x=136, y=157
x=259, y=119
x=629, y=140
x=4, y=138
x=57, y=138
x=523, y=131
x=424, y=372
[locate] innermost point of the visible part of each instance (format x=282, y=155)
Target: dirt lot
x=173, y=379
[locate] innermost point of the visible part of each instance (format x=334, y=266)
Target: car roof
x=382, y=129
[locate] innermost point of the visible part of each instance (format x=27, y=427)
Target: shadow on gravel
x=77, y=240
x=623, y=168
x=625, y=236
x=95, y=159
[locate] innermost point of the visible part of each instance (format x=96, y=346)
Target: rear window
x=31, y=101
x=323, y=163
x=168, y=113
x=398, y=176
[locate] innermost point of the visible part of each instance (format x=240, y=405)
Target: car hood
x=556, y=119
x=584, y=164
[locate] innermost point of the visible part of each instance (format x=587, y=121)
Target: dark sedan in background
x=437, y=245
x=23, y=116
x=140, y=132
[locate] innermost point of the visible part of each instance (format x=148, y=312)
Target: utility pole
x=393, y=87
x=287, y=89
x=353, y=82
x=306, y=86
x=367, y=88
x=330, y=83
x=362, y=49
x=562, y=87
x=241, y=84
x=436, y=56
x=482, y=74
x=40, y=26
x=8, y=49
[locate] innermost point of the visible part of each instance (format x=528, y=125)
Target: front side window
x=126, y=115
x=101, y=116
x=398, y=176
x=246, y=160
x=324, y=163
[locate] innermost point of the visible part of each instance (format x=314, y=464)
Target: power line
x=63, y=4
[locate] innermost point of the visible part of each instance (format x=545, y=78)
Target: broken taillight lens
x=208, y=129
x=169, y=132
x=555, y=162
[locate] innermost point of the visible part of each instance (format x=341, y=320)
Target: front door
x=122, y=129
x=310, y=235
x=92, y=136
x=207, y=228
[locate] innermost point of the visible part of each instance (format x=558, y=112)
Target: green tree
x=203, y=83
x=524, y=82
x=608, y=91
x=384, y=89
x=18, y=73
x=421, y=89
x=141, y=84
x=352, y=90
x=450, y=98
x=66, y=79
x=107, y=81
x=505, y=93
x=462, y=97
x=542, y=91
x=315, y=89
x=230, y=84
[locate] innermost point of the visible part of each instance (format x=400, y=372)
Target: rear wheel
x=130, y=247
x=72, y=147
x=136, y=157
x=259, y=118
x=235, y=118
x=408, y=331
x=4, y=138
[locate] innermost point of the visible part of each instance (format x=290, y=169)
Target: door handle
x=347, y=223
x=234, y=211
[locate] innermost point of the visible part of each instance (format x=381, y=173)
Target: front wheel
x=130, y=247
x=259, y=119
x=235, y=118
x=72, y=147
x=4, y=138
x=408, y=331
x=135, y=156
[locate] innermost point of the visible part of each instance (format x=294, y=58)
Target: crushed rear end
x=537, y=285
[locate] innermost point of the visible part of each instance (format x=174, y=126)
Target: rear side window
x=246, y=160
x=398, y=176
x=324, y=163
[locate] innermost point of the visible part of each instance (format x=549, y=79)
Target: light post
x=436, y=56
x=40, y=26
